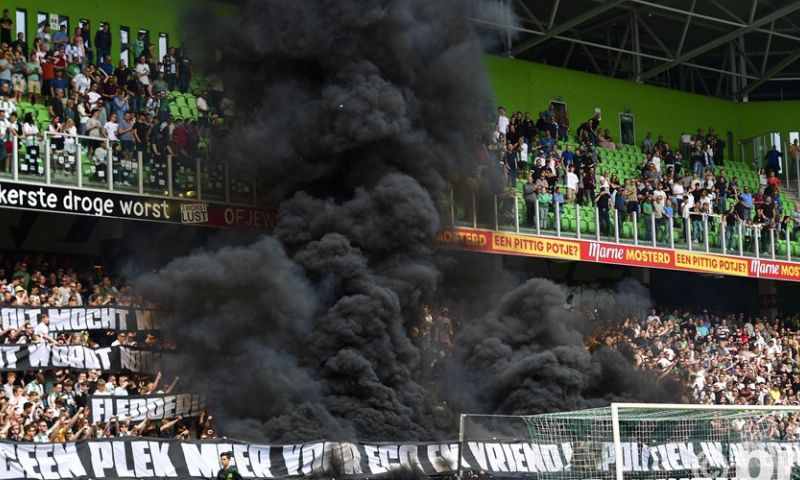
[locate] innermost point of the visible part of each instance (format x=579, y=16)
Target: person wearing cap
x=228, y=470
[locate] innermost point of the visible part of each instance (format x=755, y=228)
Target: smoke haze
x=357, y=114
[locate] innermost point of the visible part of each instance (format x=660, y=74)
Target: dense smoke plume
x=357, y=115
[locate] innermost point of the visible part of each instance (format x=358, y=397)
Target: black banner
x=78, y=357
x=157, y=458
x=137, y=408
x=135, y=207
x=75, y=319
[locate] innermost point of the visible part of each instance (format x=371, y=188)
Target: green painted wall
x=756, y=118
x=530, y=87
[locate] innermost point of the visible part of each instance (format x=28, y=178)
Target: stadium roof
x=735, y=49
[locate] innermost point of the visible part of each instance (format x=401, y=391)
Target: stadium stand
x=545, y=166
x=51, y=404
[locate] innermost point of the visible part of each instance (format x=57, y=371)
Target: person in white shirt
x=142, y=73
x=82, y=82
x=572, y=185
x=111, y=128
x=4, y=127
x=202, y=110
x=656, y=161
x=43, y=329
x=30, y=132
x=522, y=151
x=502, y=123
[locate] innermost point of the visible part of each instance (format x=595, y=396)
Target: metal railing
x=99, y=164
x=698, y=232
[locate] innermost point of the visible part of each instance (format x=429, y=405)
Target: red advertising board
x=601, y=252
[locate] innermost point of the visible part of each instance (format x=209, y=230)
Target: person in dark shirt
x=773, y=160
x=541, y=123
x=55, y=105
x=184, y=70
x=141, y=130
x=228, y=471
x=603, y=201
x=6, y=26
x=512, y=136
x=102, y=41
x=528, y=128
x=511, y=164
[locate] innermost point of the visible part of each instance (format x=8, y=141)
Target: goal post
x=627, y=441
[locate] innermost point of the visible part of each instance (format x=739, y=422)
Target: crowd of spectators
x=687, y=186
x=51, y=405
x=720, y=359
x=86, y=92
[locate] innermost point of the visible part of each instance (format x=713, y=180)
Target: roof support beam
x=775, y=14
x=685, y=28
x=739, y=24
x=766, y=50
x=553, y=15
x=559, y=29
x=776, y=69
x=530, y=14
x=621, y=46
x=653, y=35
x=591, y=59
x=504, y=26
x=568, y=56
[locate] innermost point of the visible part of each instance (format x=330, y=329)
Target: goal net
x=636, y=441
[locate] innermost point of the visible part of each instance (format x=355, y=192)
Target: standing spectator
x=138, y=45
x=126, y=134
x=141, y=131
x=86, y=36
x=21, y=45
x=185, y=70
x=55, y=105
x=143, y=75
x=558, y=201
x=647, y=216
x=103, y=42
x=58, y=83
x=619, y=209
x=588, y=187
x=572, y=185
x=45, y=37
x=48, y=74
x=170, y=63
x=203, y=113
x=6, y=68
x=108, y=92
x=105, y=65
x=544, y=199
x=603, y=202
x=30, y=134
x=4, y=135
x=773, y=158
x=60, y=38
x=502, y=125
x=77, y=51
x=511, y=166
x=81, y=83
x=111, y=128
x=33, y=72
x=6, y=27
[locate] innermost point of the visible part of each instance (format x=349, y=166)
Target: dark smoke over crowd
x=358, y=115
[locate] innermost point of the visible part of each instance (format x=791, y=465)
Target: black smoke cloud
x=357, y=115
x=529, y=353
